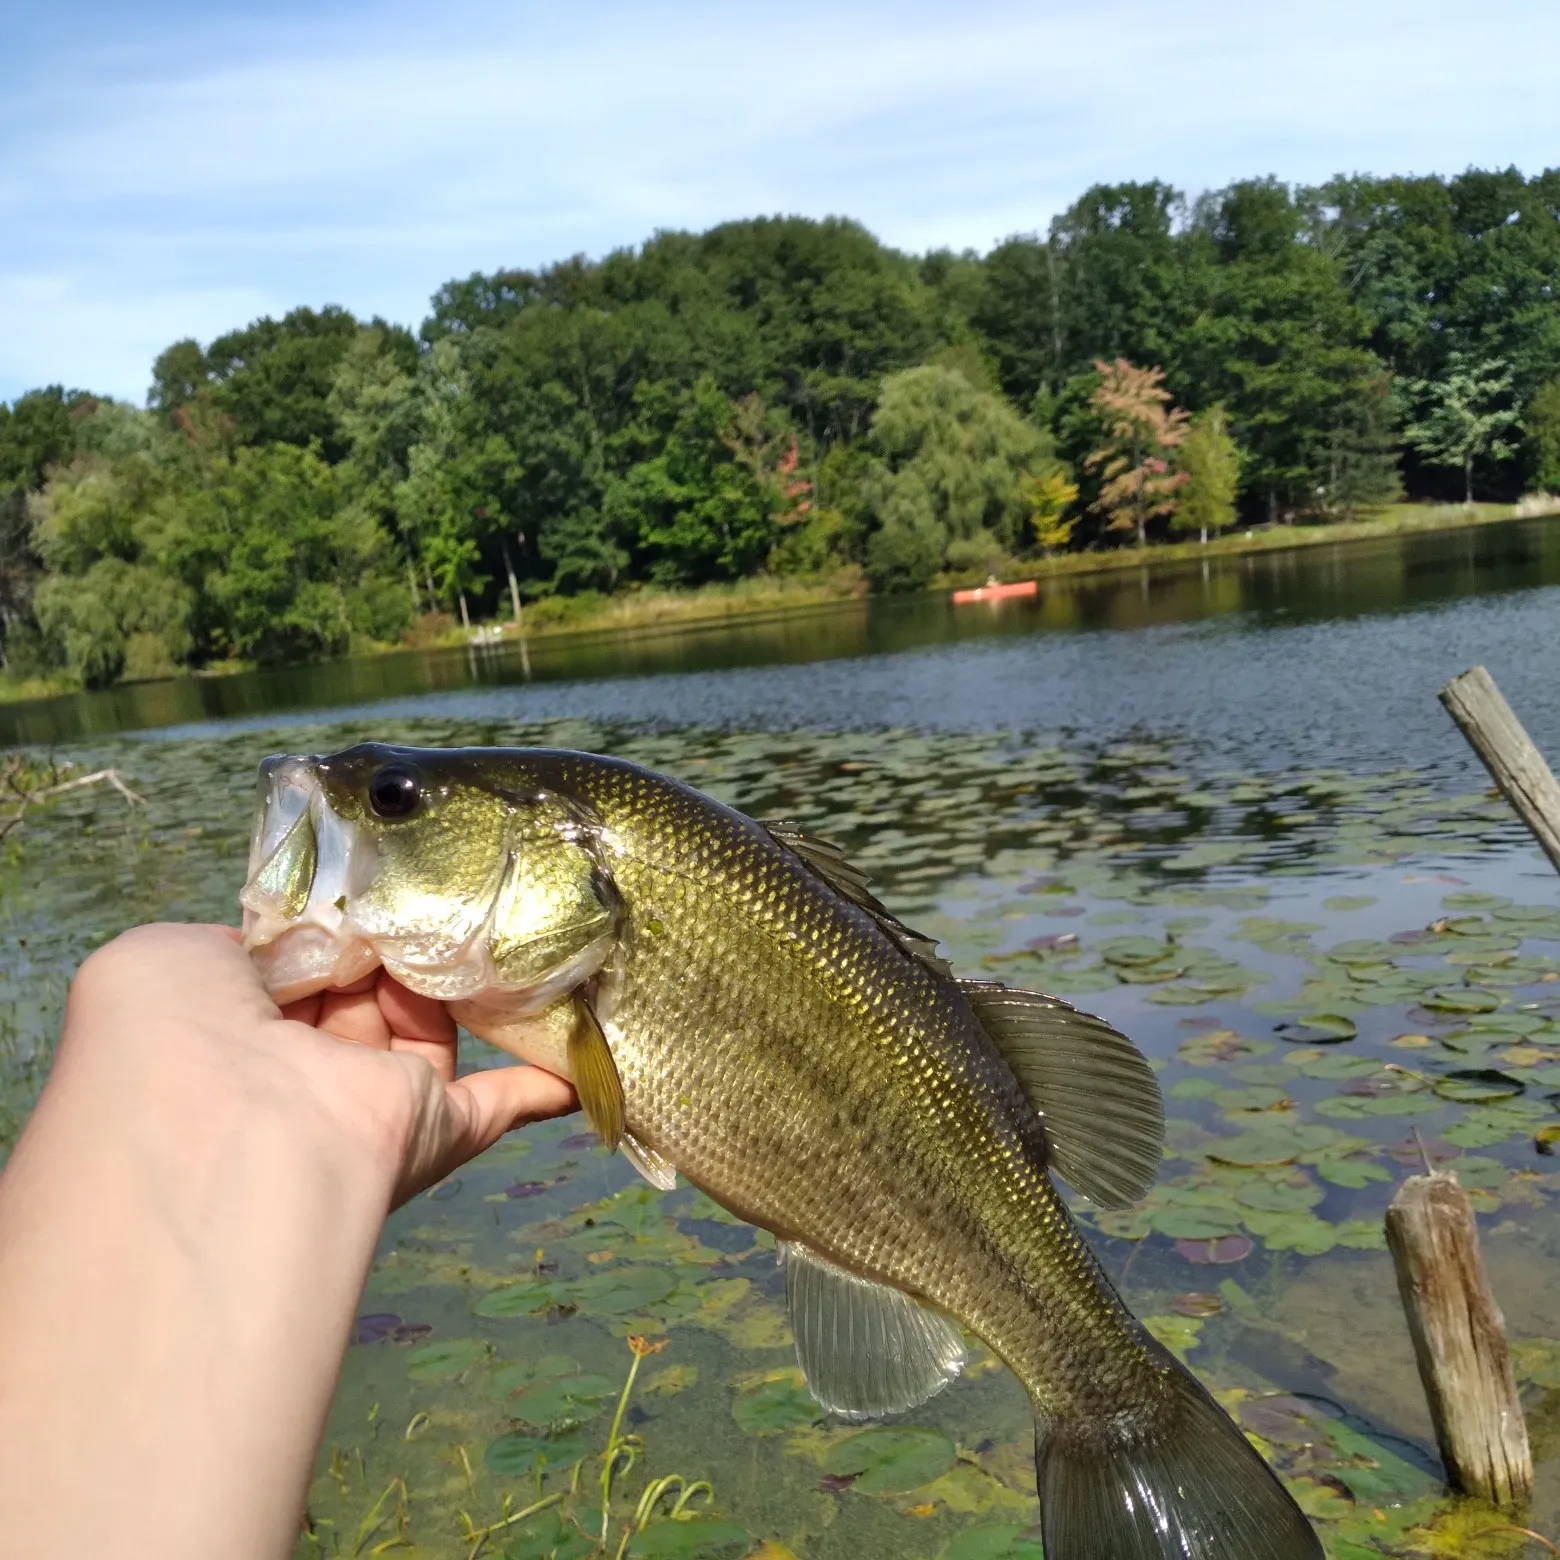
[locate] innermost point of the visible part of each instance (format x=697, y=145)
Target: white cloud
x=365, y=157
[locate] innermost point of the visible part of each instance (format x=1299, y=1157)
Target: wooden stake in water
x=1517, y=766
x=1459, y=1340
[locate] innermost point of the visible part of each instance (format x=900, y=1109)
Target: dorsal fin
x=865, y=1349
x=829, y=862
x=1096, y=1094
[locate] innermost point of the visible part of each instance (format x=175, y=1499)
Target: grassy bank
x=645, y=608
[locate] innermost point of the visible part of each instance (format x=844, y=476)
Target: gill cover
x=459, y=882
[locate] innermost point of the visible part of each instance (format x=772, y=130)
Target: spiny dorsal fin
x=865, y=1349
x=595, y=1074
x=828, y=861
x=1098, y=1097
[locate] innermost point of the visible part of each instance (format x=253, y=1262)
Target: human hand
x=373, y=1065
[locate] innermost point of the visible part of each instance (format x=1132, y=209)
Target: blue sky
x=168, y=169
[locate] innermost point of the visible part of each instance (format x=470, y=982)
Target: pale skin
x=185, y=1230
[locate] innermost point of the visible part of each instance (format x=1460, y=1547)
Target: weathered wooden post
x=1459, y=1340
x=1458, y=1332
x=1518, y=768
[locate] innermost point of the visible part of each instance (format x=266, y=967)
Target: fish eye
x=394, y=792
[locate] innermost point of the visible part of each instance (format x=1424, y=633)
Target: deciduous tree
x=1462, y=416
x=1142, y=431
x=1210, y=462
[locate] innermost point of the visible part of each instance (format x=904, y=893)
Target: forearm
x=173, y=1307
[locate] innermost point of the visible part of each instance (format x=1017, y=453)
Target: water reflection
x=1315, y=584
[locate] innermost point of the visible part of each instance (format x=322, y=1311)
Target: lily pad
x=885, y=1460
x=773, y=1407
x=1342, y=1065
x=696, y=1538
x=1271, y=1145
x=438, y=1361
x=622, y=1291
x=521, y=1299
x=1319, y=1029
x=562, y=1399
x=1224, y=1250
x=997, y=1541
x=1478, y=1086
x=1279, y=1196
x=549, y=1537
x=1461, y=999
x=517, y=1454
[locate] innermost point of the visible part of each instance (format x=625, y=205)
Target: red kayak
x=992, y=591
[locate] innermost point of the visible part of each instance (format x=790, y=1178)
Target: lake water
x=1223, y=809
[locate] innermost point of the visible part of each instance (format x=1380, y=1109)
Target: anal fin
x=648, y=1163
x=866, y=1349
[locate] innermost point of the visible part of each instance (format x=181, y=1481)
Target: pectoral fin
x=865, y=1349
x=1098, y=1098
x=595, y=1075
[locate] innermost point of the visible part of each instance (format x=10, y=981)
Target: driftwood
x=1459, y=1340
x=23, y=787
x=1516, y=765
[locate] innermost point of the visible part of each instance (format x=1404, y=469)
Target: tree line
x=790, y=397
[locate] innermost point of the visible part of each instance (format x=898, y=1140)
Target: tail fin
x=1190, y=1487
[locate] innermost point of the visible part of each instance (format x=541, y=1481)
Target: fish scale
x=892, y=1203
x=733, y=1005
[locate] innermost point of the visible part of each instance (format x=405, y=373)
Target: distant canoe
x=992, y=591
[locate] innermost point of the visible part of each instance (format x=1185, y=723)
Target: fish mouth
x=306, y=865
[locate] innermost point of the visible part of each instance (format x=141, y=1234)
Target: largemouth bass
x=734, y=1005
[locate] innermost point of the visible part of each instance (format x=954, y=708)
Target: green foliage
x=782, y=395
x=1211, y=461
x=956, y=477
x=1462, y=415
x=1541, y=437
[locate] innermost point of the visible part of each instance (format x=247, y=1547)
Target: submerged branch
x=23, y=787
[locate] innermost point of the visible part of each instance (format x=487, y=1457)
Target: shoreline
x=649, y=612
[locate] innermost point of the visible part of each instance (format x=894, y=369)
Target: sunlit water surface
x=1226, y=813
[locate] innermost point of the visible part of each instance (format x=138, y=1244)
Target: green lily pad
x=774, y=1407
x=1482, y=1129
x=1273, y=1145
x=1349, y=902
x=549, y=1537
x=1461, y=999
x=621, y=1291
x=1362, y=951
x=997, y=1541
x=1132, y=951
x=520, y=1299
x=562, y=1399
x=1279, y=1196
x=437, y=1361
x=1478, y=1086
x=1319, y=1029
x=696, y=1538
x=1342, y=1066
x=1196, y=1223
x=887, y=1460
x=1357, y=1107
x=518, y=1454
x=1299, y=1232
x=1351, y=1171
